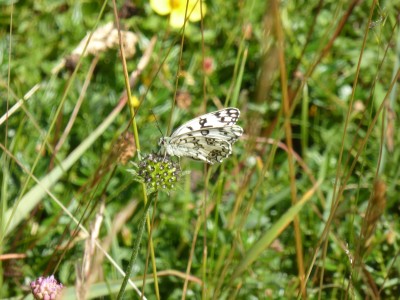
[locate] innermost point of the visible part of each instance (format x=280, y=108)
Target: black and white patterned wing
x=228, y=133
x=208, y=137
x=221, y=118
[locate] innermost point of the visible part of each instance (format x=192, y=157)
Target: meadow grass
x=305, y=207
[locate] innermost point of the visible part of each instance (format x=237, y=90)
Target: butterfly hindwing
x=207, y=148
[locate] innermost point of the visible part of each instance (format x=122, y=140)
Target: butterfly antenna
x=158, y=125
x=159, y=128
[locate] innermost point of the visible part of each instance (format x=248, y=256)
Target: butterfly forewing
x=221, y=118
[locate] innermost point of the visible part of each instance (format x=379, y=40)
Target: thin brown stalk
x=20, y=103
x=288, y=135
x=149, y=246
x=77, y=107
x=204, y=105
x=309, y=35
x=85, y=268
x=335, y=201
x=136, y=136
x=326, y=49
x=375, y=209
x=202, y=216
x=346, y=178
x=119, y=221
x=177, y=274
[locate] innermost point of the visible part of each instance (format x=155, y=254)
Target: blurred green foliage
x=43, y=33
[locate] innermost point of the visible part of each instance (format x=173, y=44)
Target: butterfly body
x=208, y=137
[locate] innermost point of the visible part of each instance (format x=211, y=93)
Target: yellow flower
x=134, y=101
x=177, y=9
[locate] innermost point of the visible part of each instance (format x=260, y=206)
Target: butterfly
x=208, y=137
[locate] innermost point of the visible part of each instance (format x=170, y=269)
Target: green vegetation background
x=316, y=86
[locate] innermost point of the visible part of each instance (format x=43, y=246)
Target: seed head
x=46, y=288
x=159, y=172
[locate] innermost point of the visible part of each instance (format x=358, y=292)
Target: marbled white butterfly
x=208, y=137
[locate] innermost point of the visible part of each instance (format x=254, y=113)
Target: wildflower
x=208, y=65
x=183, y=99
x=46, y=288
x=158, y=172
x=177, y=10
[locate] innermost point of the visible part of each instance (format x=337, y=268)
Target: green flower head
x=158, y=172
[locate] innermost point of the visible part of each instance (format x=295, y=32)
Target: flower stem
x=136, y=246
